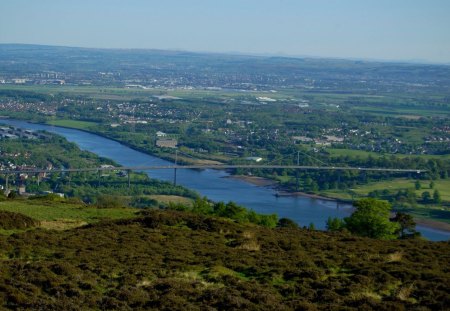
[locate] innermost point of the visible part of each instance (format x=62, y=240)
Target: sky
x=406, y=30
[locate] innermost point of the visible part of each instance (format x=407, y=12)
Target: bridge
x=213, y=166
x=175, y=167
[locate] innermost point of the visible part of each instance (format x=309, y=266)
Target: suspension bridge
x=176, y=167
x=207, y=166
x=105, y=168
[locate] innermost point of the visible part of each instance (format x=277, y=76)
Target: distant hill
x=79, y=64
x=166, y=260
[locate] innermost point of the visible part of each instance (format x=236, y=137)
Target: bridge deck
x=217, y=167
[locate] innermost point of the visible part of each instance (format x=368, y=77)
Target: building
x=22, y=189
x=256, y=159
x=166, y=143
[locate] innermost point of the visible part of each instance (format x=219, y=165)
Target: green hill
x=170, y=260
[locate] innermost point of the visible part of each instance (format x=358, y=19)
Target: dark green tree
x=437, y=197
x=371, y=219
x=426, y=197
x=407, y=225
x=12, y=194
x=202, y=206
x=286, y=223
x=417, y=185
x=335, y=224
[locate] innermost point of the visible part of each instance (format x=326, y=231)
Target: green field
x=64, y=215
x=82, y=125
x=435, y=212
x=171, y=199
x=365, y=154
x=442, y=185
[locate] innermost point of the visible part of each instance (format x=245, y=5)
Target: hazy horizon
x=403, y=31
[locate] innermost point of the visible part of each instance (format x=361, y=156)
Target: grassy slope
x=179, y=261
x=63, y=215
x=171, y=199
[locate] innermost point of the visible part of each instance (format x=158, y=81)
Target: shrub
x=286, y=223
x=10, y=220
x=111, y=201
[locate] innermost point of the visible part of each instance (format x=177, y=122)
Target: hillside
x=168, y=260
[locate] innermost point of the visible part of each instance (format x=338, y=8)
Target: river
x=213, y=184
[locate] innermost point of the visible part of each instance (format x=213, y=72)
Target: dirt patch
x=170, y=199
x=255, y=180
x=62, y=224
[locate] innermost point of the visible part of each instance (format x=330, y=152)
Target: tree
x=335, y=224
x=371, y=219
x=269, y=221
x=12, y=194
x=407, y=225
x=418, y=185
x=202, y=206
x=286, y=223
x=230, y=210
x=437, y=197
x=426, y=197
x=110, y=201
x=432, y=185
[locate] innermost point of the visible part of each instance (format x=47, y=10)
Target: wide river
x=213, y=184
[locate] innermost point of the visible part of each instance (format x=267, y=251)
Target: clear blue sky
x=374, y=29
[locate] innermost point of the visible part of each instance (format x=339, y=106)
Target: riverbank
x=265, y=182
x=180, y=159
x=312, y=196
x=433, y=224
x=254, y=180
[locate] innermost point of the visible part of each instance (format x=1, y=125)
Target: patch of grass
x=427, y=211
x=337, y=194
x=62, y=224
x=219, y=272
x=442, y=185
x=394, y=257
x=334, y=152
x=171, y=199
x=251, y=245
x=62, y=211
x=352, y=153
x=83, y=125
